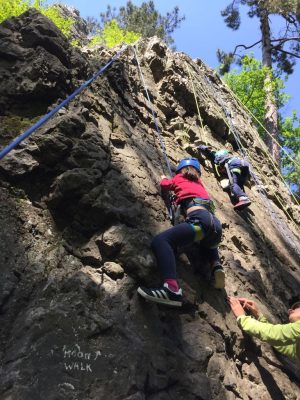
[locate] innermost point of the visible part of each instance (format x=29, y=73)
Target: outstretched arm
x=283, y=337
x=276, y=335
x=166, y=184
x=207, y=151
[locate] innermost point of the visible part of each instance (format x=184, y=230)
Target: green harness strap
x=199, y=234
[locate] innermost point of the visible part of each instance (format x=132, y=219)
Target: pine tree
x=144, y=20
x=282, y=50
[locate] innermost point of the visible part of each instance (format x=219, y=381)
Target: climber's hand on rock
x=249, y=305
x=202, y=147
x=236, y=306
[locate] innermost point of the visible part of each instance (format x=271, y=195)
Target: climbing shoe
x=218, y=278
x=162, y=295
x=242, y=203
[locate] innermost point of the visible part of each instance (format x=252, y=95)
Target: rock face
x=37, y=64
x=79, y=204
x=79, y=31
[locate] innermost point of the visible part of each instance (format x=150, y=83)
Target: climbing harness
x=46, y=117
x=198, y=201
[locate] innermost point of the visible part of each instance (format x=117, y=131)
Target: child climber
x=200, y=225
x=237, y=171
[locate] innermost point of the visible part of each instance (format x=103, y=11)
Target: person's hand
x=202, y=147
x=163, y=177
x=235, y=306
x=249, y=305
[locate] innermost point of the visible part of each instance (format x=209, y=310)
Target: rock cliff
x=79, y=204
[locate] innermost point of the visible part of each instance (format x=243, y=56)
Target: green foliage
x=64, y=24
x=112, y=35
x=144, y=20
x=290, y=138
x=248, y=84
x=14, y=8
x=231, y=16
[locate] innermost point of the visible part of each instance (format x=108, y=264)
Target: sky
x=203, y=32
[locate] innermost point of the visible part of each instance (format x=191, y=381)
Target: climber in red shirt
x=200, y=225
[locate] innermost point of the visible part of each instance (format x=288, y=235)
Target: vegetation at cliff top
x=14, y=8
x=111, y=35
x=144, y=21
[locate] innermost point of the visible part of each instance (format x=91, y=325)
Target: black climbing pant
x=165, y=244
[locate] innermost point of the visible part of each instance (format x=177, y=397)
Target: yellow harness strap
x=199, y=234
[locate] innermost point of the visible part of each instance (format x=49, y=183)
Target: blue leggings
x=237, y=186
x=165, y=244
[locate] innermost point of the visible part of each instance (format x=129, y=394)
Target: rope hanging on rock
x=197, y=105
x=264, y=128
x=46, y=117
x=169, y=200
x=158, y=132
x=283, y=228
x=264, y=147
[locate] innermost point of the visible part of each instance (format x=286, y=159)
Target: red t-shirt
x=184, y=188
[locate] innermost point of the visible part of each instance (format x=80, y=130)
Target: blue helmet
x=189, y=162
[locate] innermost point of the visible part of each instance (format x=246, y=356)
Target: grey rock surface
x=79, y=204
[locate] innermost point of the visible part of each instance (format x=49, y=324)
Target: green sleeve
x=275, y=335
x=262, y=318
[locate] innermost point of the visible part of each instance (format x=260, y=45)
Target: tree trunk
x=271, y=118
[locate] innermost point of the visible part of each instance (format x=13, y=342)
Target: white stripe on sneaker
x=154, y=298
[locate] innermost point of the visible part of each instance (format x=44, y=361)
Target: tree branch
x=245, y=47
x=283, y=40
x=286, y=52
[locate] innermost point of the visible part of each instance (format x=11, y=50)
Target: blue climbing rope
x=46, y=117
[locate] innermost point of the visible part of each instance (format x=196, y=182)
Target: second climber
x=237, y=171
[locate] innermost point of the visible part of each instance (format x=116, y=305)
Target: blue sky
x=203, y=32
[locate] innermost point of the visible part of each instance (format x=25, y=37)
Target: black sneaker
x=162, y=295
x=218, y=279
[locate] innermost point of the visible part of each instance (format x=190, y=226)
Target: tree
x=144, y=20
x=112, y=34
x=14, y=8
x=274, y=49
x=248, y=84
